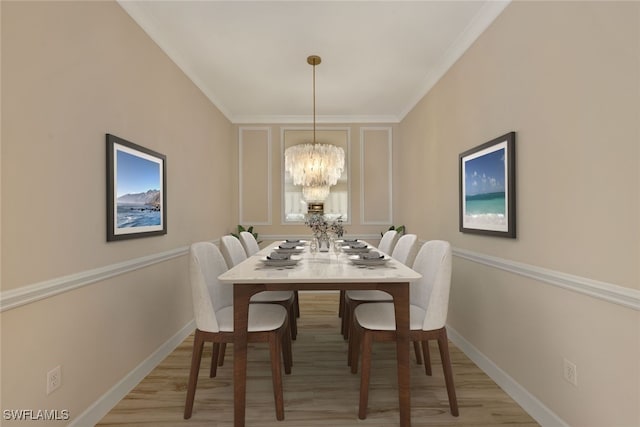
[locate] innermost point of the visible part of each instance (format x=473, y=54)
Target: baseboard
x=92, y=415
x=534, y=407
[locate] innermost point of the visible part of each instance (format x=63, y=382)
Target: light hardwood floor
x=321, y=391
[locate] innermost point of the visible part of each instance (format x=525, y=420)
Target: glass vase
x=323, y=244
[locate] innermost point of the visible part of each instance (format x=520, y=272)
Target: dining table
x=318, y=271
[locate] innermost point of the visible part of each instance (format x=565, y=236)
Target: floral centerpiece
x=322, y=229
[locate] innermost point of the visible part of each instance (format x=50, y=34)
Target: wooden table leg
x=400, y=294
x=241, y=295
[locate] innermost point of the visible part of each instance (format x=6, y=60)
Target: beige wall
x=565, y=77
x=71, y=72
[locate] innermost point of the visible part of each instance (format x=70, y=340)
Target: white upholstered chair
x=213, y=310
x=386, y=244
x=404, y=251
x=234, y=253
x=429, y=302
x=232, y=250
x=251, y=247
x=249, y=242
x=388, y=241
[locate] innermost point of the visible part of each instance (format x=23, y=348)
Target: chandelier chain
x=315, y=167
x=314, y=102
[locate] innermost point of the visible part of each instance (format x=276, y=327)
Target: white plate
x=280, y=262
x=350, y=250
x=356, y=260
x=296, y=250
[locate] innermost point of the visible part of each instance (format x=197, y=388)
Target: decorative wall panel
x=376, y=202
x=254, y=166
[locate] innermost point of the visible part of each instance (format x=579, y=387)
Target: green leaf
x=400, y=229
x=241, y=228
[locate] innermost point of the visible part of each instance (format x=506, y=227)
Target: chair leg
x=198, y=345
x=215, y=356
x=367, y=341
x=276, y=373
x=341, y=304
x=347, y=316
x=427, y=357
x=345, y=324
x=443, y=345
x=416, y=350
x=353, y=352
x=296, y=303
x=223, y=349
x=293, y=322
x=286, y=350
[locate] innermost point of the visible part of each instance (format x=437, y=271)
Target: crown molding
x=149, y=26
x=485, y=16
x=481, y=21
x=306, y=119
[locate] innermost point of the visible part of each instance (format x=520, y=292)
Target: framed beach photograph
x=487, y=188
x=136, y=191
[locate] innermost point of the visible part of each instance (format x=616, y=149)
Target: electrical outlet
x=54, y=379
x=570, y=372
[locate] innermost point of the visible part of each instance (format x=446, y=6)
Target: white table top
x=320, y=267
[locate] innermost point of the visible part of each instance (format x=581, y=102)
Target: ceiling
x=379, y=58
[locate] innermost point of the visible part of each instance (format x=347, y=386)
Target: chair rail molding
x=616, y=294
x=31, y=293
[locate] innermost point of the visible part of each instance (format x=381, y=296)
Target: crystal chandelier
x=315, y=167
x=315, y=193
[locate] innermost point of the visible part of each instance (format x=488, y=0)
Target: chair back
x=406, y=248
x=209, y=295
x=249, y=242
x=232, y=251
x=431, y=292
x=387, y=242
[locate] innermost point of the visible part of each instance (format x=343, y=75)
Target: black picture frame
x=136, y=190
x=487, y=179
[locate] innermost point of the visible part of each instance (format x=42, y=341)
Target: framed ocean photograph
x=136, y=191
x=487, y=188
